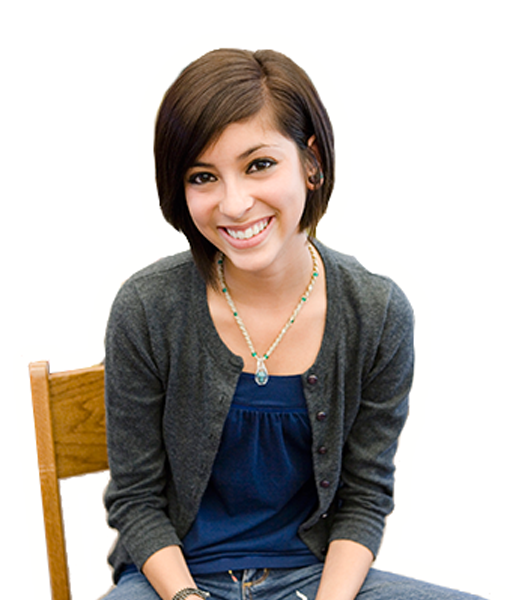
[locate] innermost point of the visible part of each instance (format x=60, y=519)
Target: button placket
x=321, y=417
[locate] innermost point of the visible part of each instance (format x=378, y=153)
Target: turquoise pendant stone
x=261, y=375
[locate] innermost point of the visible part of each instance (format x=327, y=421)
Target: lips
x=248, y=232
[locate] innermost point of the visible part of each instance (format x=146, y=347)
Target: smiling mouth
x=247, y=234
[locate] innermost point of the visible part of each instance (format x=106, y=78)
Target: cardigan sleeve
x=365, y=496
x=135, y=498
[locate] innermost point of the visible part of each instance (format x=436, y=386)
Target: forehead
x=258, y=130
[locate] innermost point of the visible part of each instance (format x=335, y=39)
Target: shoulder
x=166, y=283
x=164, y=269
x=353, y=287
x=166, y=275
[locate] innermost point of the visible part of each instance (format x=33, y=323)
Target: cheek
x=295, y=198
x=287, y=192
x=197, y=207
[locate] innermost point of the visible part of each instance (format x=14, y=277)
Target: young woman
x=257, y=385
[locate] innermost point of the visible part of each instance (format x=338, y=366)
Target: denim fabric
x=289, y=584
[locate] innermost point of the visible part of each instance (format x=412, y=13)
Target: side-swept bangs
x=224, y=87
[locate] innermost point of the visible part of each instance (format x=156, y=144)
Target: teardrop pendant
x=261, y=375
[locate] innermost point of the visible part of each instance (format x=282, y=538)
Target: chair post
x=51, y=501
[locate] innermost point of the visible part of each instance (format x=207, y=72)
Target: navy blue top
x=261, y=487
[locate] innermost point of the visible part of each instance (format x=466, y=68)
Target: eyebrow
x=243, y=156
x=247, y=153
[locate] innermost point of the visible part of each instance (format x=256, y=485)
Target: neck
x=285, y=278
x=262, y=375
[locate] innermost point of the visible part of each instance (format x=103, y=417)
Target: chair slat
x=78, y=416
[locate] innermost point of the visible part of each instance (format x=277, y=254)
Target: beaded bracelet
x=184, y=593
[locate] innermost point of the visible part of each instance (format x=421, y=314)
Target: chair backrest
x=71, y=440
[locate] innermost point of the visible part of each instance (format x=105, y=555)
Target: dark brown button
x=325, y=483
x=321, y=415
x=321, y=449
x=312, y=379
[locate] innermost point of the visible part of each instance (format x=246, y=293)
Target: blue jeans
x=288, y=584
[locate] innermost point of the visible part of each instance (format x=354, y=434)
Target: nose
x=235, y=201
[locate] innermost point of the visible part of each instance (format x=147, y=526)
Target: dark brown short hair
x=227, y=86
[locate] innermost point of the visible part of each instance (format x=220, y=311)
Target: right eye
x=201, y=178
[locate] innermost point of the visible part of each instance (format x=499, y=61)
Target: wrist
x=190, y=592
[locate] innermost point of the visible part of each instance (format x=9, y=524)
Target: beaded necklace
x=261, y=374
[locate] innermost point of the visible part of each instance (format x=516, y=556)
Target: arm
x=168, y=573
x=135, y=498
x=347, y=565
x=365, y=497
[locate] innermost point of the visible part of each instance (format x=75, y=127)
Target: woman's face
x=246, y=194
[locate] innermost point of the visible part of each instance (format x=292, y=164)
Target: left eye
x=260, y=164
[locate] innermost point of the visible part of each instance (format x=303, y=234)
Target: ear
x=315, y=177
x=313, y=147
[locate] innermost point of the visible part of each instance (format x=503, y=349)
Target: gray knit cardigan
x=170, y=381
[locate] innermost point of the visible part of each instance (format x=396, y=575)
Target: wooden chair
x=71, y=440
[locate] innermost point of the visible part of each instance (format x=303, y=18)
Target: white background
x=427, y=103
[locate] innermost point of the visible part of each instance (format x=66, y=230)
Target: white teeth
x=249, y=232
